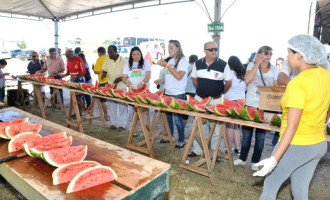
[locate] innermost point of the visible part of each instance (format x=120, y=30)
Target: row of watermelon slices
x=56, y=150
x=228, y=108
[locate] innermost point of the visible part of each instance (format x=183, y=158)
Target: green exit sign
x=215, y=27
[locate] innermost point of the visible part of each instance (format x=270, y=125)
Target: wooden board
x=136, y=173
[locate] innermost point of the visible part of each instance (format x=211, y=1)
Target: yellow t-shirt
x=115, y=70
x=98, y=68
x=309, y=91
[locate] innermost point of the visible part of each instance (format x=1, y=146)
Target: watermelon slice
x=60, y=143
x=200, y=108
x=220, y=109
x=179, y=104
x=91, y=177
x=236, y=110
x=160, y=93
x=259, y=116
x=62, y=156
x=276, y=120
x=44, y=140
x=129, y=96
x=141, y=97
x=7, y=123
x=166, y=101
x=210, y=109
x=142, y=90
x=16, y=143
x=67, y=172
x=85, y=86
x=191, y=102
x=153, y=99
x=15, y=129
x=248, y=113
x=116, y=92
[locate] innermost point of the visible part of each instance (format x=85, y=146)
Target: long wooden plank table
x=139, y=177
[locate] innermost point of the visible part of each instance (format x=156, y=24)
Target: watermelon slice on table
x=141, y=98
x=179, y=104
x=15, y=129
x=85, y=86
x=63, y=156
x=142, y=90
x=154, y=99
x=199, y=108
x=116, y=92
x=210, y=108
x=109, y=85
x=220, y=109
x=44, y=140
x=276, y=120
x=259, y=116
x=129, y=96
x=91, y=177
x=236, y=110
x=3, y=125
x=248, y=113
x=237, y=103
x=166, y=101
x=16, y=143
x=160, y=93
x=56, y=144
x=67, y=172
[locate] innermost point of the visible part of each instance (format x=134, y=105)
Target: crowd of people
x=307, y=96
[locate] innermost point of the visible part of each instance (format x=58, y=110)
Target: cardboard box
x=270, y=98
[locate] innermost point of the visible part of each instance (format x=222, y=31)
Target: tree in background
x=21, y=45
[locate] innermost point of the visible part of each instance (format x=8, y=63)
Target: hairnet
x=311, y=49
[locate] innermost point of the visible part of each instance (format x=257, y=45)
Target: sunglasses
x=268, y=53
x=212, y=49
x=34, y=56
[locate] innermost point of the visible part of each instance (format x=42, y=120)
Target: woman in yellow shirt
x=305, y=105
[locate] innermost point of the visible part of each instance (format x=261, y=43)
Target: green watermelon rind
x=234, y=113
x=245, y=115
x=45, y=157
x=55, y=174
x=73, y=183
x=190, y=106
x=257, y=118
x=178, y=106
x=13, y=140
x=276, y=120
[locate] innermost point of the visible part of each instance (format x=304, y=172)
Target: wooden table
x=139, y=177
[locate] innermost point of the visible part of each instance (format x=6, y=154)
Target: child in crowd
x=3, y=64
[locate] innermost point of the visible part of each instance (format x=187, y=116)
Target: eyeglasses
x=212, y=49
x=268, y=53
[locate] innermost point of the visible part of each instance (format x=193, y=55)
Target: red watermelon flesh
x=60, y=143
x=67, y=172
x=15, y=129
x=210, y=108
x=44, y=140
x=115, y=92
x=109, y=85
x=179, y=104
x=3, y=125
x=220, y=109
x=91, y=177
x=248, y=113
x=141, y=97
x=237, y=103
x=63, y=156
x=236, y=110
x=166, y=101
x=142, y=90
x=259, y=116
x=16, y=143
x=85, y=86
x=129, y=96
x=153, y=99
x=199, y=108
x=160, y=93
x=92, y=90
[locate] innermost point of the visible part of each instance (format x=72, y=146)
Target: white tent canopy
x=63, y=9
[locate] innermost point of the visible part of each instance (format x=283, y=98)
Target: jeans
x=88, y=99
x=177, y=119
x=246, y=143
x=61, y=91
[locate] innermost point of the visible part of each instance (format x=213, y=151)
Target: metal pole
x=56, y=34
x=217, y=14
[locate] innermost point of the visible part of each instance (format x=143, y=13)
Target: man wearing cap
x=212, y=78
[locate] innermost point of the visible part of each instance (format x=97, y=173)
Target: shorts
x=102, y=100
x=185, y=117
x=81, y=79
x=2, y=93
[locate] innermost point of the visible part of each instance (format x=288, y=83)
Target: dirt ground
x=240, y=185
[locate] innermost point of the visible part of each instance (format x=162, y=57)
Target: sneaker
x=238, y=152
x=107, y=118
x=239, y=162
x=254, y=167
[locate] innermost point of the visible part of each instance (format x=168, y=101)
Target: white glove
x=269, y=164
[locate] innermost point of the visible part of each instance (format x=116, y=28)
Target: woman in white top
x=258, y=73
x=235, y=92
x=175, y=84
x=136, y=73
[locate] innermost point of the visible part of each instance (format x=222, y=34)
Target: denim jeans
x=246, y=143
x=61, y=91
x=177, y=119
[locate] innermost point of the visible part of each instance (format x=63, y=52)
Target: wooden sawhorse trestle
x=149, y=133
x=208, y=156
x=90, y=110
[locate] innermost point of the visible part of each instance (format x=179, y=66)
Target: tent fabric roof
x=61, y=9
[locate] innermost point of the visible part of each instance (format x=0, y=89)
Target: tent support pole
x=56, y=20
x=217, y=14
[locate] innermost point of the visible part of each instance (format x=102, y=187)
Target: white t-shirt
x=252, y=95
x=237, y=89
x=190, y=88
x=172, y=85
x=136, y=75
